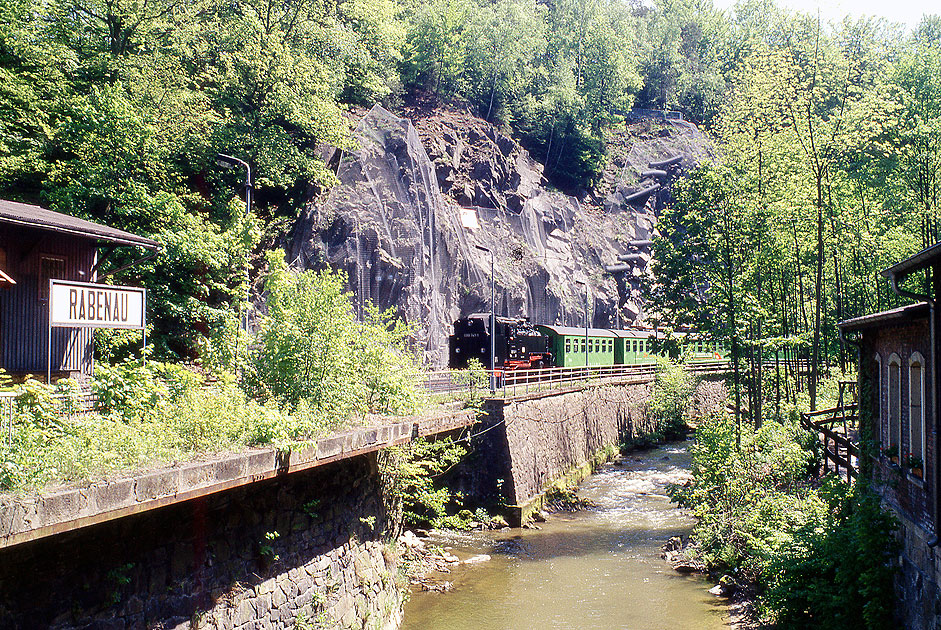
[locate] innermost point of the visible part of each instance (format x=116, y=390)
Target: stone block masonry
x=530, y=444
x=308, y=545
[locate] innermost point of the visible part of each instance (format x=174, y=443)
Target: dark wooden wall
x=24, y=314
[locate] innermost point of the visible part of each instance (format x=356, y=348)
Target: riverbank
x=594, y=568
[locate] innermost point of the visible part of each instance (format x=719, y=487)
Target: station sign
x=88, y=305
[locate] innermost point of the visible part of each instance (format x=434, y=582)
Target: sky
x=908, y=12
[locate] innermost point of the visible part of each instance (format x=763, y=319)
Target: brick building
x=899, y=387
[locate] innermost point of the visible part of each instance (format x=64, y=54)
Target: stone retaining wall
x=548, y=437
x=917, y=582
x=306, y=545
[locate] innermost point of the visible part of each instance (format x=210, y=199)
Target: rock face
x=397, y=223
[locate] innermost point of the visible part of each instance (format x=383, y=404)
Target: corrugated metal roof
x=911, y=311
x=28, y=215
x=577, y=332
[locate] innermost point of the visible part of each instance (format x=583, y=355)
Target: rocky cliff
x=423, y=193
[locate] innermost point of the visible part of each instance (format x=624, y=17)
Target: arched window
x=878, y=409
x=895, y=405
x=916, y=411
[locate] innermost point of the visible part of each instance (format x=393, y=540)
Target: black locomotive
x=517, y=343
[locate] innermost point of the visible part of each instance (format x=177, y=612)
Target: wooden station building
x=37, y=245
x=899, y=393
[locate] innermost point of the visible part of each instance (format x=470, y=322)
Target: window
x=916, y=410
x=895, y=405
x=50, y=268
x=568, y=345
x=878, y=407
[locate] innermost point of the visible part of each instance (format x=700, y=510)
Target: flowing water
x=599, y=568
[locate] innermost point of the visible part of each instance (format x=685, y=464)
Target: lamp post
x=585, y=284
x=227, y=161
x=493, y=321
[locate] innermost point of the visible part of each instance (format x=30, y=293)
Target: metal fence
x=7, y=404
x=72, y=406
x=456, y=384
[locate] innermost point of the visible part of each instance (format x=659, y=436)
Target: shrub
x=411, y=478
x=311, y=348
x=819, y=553
x=669, y=403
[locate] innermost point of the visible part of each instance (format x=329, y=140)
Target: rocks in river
x=481, y=557
x=688, y=567
x=725, y=588
x=674, y=552
x=410, y=540
x=498, y=522
x=539, y=517
x=436, y=586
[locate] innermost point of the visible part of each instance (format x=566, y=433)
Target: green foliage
x=411, y=482
x=114, y=111
x=820, y=555
x=146, y=415
x=311, y=351
x=669, y=403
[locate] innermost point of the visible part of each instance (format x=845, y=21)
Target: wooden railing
x=837, y=429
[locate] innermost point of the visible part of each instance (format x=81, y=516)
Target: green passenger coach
x=567, y=344
x=633, y=347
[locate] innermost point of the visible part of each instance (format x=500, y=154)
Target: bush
x=411, y=478
x=818, y=554
x=669, y=403
x=145, y=415
x=311, y=348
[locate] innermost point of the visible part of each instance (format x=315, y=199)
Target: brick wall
x=901, y=490
x=919, y=565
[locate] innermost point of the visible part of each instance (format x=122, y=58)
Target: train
x=519, y=344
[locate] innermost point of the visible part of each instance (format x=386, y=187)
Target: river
x=599, y=568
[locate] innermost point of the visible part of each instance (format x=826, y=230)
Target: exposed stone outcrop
x=397, y=222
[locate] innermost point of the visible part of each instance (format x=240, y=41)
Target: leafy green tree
x=311, y=351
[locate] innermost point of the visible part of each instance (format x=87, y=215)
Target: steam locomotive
x=517, y=343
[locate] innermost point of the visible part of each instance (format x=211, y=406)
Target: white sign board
x=86, y=305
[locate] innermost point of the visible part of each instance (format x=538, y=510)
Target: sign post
x=89, y=305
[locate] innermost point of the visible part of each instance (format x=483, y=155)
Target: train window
x=568, y=345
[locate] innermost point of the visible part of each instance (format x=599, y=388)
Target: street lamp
x=493, y=321
x=585, y=284
x=227, y=161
